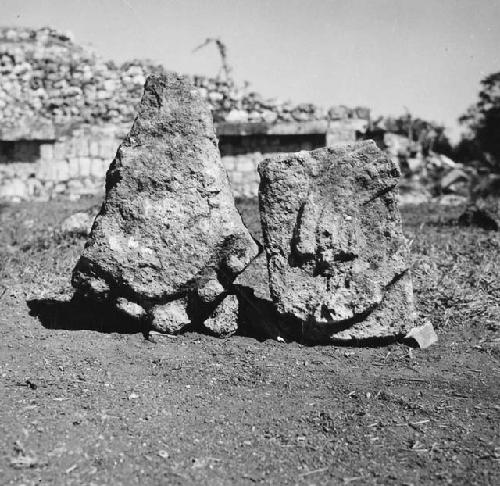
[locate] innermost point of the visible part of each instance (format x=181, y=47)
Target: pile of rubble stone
x=46, y=76
x=429, y=177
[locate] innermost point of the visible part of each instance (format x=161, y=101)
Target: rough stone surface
x=224, y=319
x=209, y=291
x=255, y=278
x=131, y=309
x=168, y=226
x=171, y=317
x=337, y=257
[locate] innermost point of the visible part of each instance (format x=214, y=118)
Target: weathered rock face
x=337, y=257
x=224, y=319
x=168, y=230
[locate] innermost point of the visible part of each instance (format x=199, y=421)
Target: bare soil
x=87, y=399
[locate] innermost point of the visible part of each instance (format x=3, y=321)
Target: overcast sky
x=427, y=55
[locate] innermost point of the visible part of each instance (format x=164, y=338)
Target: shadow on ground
x=76, y=314
x=257, y=320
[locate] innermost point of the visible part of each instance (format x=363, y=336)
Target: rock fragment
x=257, y=314
x=78, y=223
x=171, y=317
x=423, y=335
x=131, y=309
x=337, y=257
x=224, y=319
x=168, y=232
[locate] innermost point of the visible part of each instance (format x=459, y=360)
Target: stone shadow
x=78, y=314
x=257, y=320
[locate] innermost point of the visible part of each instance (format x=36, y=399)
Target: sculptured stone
x=337, y=257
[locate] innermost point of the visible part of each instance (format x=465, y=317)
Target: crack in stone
x=379, y=194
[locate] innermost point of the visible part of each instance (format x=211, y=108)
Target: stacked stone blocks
x=74, y=165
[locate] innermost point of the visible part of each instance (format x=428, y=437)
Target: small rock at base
x=78, y=223
x=209, y=291
x=131, y=309
x=95, y=288
x=424, y=335
x=224, y=319
x=170, y=318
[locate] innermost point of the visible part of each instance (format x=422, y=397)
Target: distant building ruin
x=64, y=111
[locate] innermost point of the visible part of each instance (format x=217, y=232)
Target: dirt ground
x=88, y=400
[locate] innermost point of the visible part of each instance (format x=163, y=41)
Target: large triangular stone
x=168, y=237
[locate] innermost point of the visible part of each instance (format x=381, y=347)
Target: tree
x=467, y=151
x=221, y=47
x=483, y=123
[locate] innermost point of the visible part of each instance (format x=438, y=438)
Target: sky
x=426, y=56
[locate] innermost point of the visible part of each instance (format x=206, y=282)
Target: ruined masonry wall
x=76, y=165
x=48, y=78
x=51, y=85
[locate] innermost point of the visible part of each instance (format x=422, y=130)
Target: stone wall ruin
x=67, y=110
